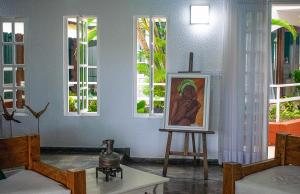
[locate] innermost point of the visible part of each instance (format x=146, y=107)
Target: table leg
x=205, y=163
x=167, y=154
x=194, y=147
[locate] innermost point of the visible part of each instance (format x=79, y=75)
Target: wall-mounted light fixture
x=199, y=14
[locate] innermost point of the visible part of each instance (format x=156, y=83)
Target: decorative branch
x=37, y=115
x=7, y=116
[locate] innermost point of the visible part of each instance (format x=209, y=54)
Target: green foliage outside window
x=92, y=106
x=288, y=111
x=141, y=107
x=159, y=59
x=296, y=77
x=72, y=105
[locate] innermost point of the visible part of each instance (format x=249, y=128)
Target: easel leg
x=186, y=144
x=167, y=154
x=205, y=163
x=194, y=148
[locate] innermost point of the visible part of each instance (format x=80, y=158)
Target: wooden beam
x=259, y=166
x=76, y=181
x=280, y=147
x=232, y=173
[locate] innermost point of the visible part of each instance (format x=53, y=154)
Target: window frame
x=66, y=68
x=151, y=114
x=14, y=65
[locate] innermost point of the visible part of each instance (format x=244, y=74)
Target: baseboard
x=80, y=150
x=172, y=161
x=125, y=152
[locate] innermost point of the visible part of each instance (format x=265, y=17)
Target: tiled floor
x=184, y=179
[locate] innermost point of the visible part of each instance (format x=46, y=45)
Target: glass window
x=82, y=65
x=150, y=64
x=13, y=63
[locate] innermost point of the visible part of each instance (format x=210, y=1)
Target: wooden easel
x=186, y=152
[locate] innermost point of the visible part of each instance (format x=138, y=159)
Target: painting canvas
x=187, y=104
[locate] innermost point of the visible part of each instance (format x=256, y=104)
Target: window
x=150, y=52
x=12, y=63
x=81, y=60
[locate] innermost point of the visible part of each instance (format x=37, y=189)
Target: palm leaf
x=92, y=34
x=285, y=24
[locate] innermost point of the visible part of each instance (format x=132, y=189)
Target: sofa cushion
x=29, y=182
x=277, y=180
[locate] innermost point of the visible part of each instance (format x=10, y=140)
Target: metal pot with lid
x=108, y=158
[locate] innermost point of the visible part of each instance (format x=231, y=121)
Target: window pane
x=92, y=106
x=159, y=98
x=8, y=76
x=86, y=52
x=83, y=53
x=92, y=96
x=73, y=75
x=8, y=98
x=7, y=31
x=20, y=80
x=159, y=39
x=93, y=91
x=83, y=77
x=72, y=28
x=20, y=97
x=92, y=75
x=83, y=29
x=143, y=65
x=73, y=98
x=72, y=47
x=92, y=41
x=92, y=61
x=83, y=99
x=8, y=54
x=20, y=54
x=19, y=31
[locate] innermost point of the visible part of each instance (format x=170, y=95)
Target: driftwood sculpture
x=7, y=116
x=37, y=115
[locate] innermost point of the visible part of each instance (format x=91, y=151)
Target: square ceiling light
x=199, y=14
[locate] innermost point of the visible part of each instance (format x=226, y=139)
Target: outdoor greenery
x=92, y=106
x=141, y=107
x=288, y=111
x=285, y=24
x=159, y=60
x=296, y=78
x=72, y=105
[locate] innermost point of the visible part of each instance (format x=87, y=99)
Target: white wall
x=44, y=73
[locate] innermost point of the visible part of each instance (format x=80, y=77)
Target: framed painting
x=187, y=105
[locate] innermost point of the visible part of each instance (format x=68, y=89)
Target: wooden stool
x=186, y=148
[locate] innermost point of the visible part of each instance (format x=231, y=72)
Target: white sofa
x=280, y=175
x=30, y=182
x=277, y=180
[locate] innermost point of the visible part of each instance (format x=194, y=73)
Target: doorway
x=284, y=109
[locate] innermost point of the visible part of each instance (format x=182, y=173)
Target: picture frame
x=187, y=101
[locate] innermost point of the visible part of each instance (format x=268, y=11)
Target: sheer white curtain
x=243, y=136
